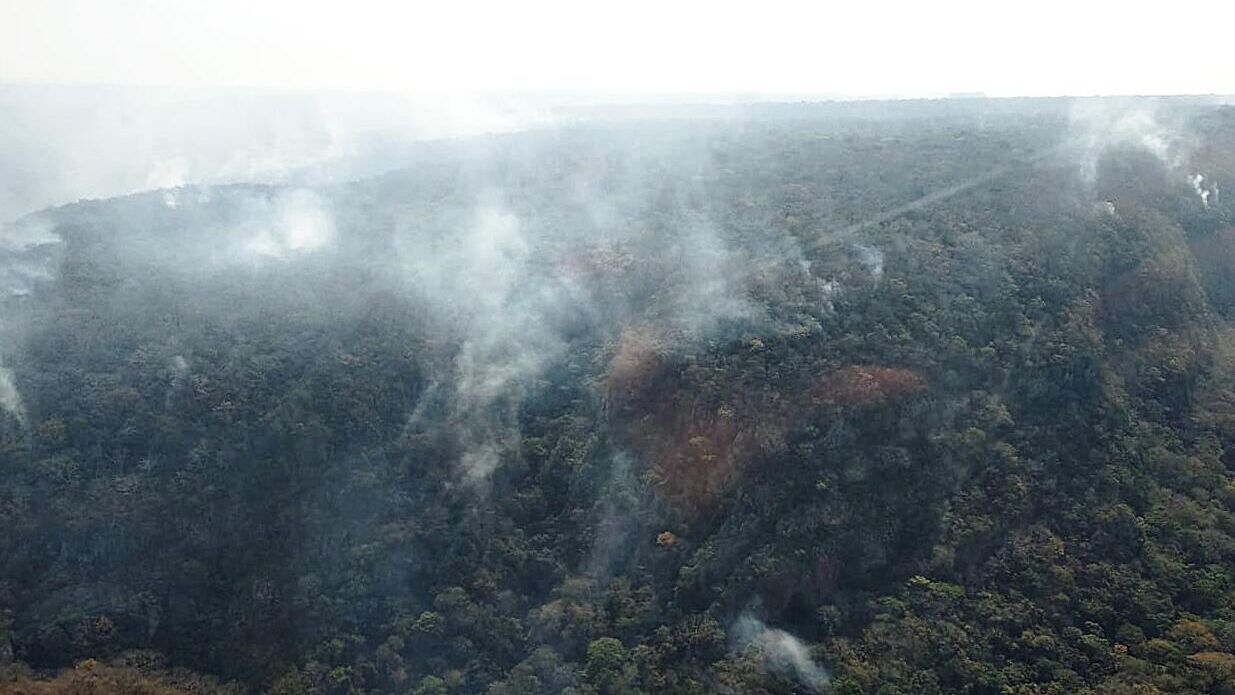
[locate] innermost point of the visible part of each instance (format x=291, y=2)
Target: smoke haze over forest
x=448, y=351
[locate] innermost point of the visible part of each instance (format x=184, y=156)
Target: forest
x=885, y=398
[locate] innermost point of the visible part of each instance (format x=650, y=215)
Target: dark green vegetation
x=574, y=411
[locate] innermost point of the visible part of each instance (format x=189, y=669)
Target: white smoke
x=1099, y=125
x=21, y=267
x=179, y=372
x=780, y=653
x=10, y=398
x=828, y=291
x=1197, y=182
x=513, y=293
x=26, y=234
x=871, y=259
x=617, y=524
x=710, y=288
x=502, y=348
x=297, y=222
x=63, y=144
x=481, y=283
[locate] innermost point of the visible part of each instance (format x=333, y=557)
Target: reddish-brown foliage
x=634, y=366
x=91, y=677
x=698, y=451
x=867, y=384
x=701, y=439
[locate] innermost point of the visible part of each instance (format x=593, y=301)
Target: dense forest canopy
x=920, y=397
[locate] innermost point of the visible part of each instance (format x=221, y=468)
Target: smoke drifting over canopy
x=572, y=348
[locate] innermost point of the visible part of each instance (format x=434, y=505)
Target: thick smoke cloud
x=10, y=398
x=779, y=653
x=204, y=231
x=515, y=287
x=26, y=260
x=62, y=144
x=1203, y=190
x=480, y=281
x=261, y=227
x=512, y=302
x=871, y=259
x=617, y=528
x=294, y=222
x=508, y=293
x=1099, y=126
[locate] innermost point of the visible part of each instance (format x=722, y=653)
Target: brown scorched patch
x=700, y=439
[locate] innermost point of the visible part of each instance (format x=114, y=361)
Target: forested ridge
x=648, y=406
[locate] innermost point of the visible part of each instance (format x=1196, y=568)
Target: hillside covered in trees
x=882, y=398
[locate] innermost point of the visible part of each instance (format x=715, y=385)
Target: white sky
x=860, y=47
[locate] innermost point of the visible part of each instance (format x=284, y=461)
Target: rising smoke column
x=1197, y=181
x=481, y=284
x=871, y=259
x=23, y=265
x=1099, y=125
x=779, y=653
x=10, y=398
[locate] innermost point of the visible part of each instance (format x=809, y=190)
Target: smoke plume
x=1197, y=182
x=779, y=652
x=24, y=263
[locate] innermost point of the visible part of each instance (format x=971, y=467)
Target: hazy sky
x=861, y=48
